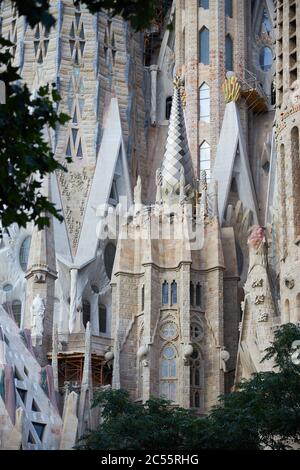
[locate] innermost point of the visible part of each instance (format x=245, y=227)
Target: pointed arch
x=174, y=293
x=204, y=46
x=168, y=372
x=165, y=293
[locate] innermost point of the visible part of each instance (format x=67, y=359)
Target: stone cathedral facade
x=179, y=254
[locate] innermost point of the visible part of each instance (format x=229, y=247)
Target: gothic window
x=204, y=93
x=204, y=4
x=174, y=293
x=296, y=179
x=168, y=107
x=198, y=295
x=13, y=32
x=17, y=311
x=205, y=164
x=196, y=378
x=168, y=373
x=24, y=253
x=197, y=333
x=165, y=293
x=273, y=93
x=114, y=198
x=102, y=318
x=109, y=258
x=169, y=330
x=192, y=294
x=204, y=46
x=266, y=25
x=39, y=429
x=7, y=287
x=229, y=52
x=77, y=39
x=41, y=42
x=86, y=312
x=110, y=49
x=228, y=8
x=266, y=58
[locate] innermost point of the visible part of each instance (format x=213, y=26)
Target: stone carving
x=224, y=357
x=231, y=89
x=259, y=299
x=158, y=198
x=257, y=248
x=262, y=317
x=187, y=352
x=37, y=311
x=74, y=189
x=258, y=283
x=289, y=282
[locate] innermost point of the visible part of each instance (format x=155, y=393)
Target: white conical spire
x=177, y=150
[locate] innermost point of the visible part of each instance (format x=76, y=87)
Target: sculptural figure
x=37, y=316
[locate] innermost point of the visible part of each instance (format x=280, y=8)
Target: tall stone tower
x=288, y=164
x=210, y=41
x=169, y=312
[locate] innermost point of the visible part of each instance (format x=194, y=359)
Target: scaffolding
x=252, y=91
x=70, y=370
x=152, y=37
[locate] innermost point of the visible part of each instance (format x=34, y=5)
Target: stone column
x=153, y=114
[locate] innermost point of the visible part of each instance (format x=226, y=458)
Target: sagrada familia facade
x=178, y=255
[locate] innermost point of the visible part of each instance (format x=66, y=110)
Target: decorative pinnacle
x=177, y=82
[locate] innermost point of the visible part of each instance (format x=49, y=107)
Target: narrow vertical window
x=102, y=319
x=174, y=293
x=266, y=25
x=204, y=46
x=168, y=107
x=228, y=8
x=229, y=52
x=17, y=310
x=168, y=373
x=86, y=312
x=204, y=93
x=143, y=298
x=205, y=164
x=165, y=293
x=204, y=4
x=198, y=295
x=192, y=294
x=196, y=378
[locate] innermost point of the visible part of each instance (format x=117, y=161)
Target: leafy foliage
x=138, y=12
x=25, y=156
x=264, y=412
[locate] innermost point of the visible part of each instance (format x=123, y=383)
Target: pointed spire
x=177, y=151
x=42, y=253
